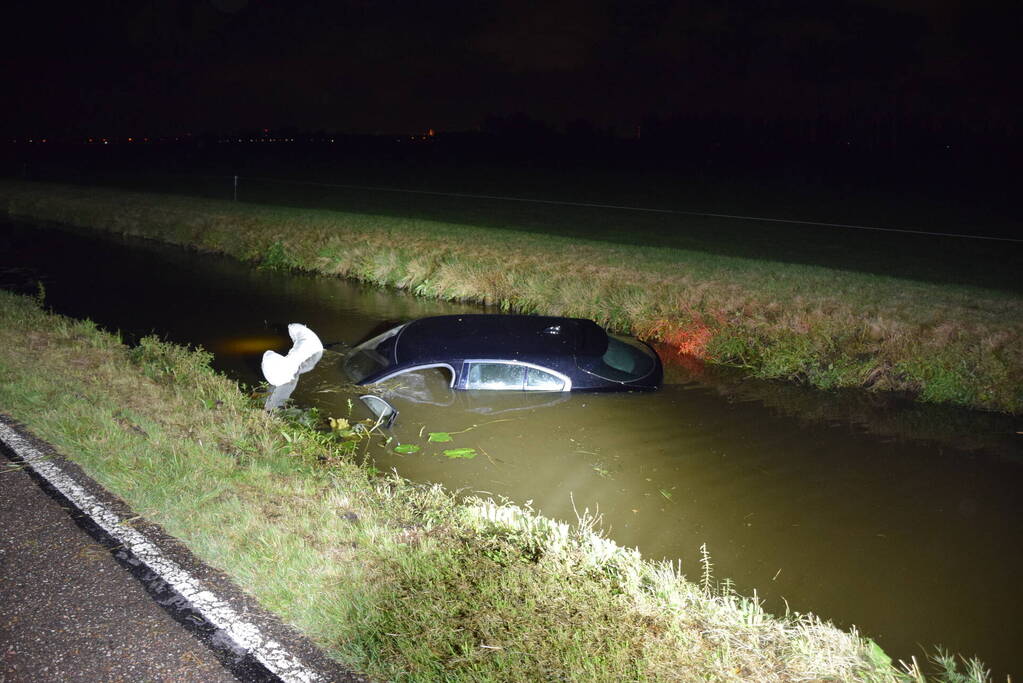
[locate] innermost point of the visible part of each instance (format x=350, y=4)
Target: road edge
x=250, y=642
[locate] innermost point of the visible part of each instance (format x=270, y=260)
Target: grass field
x=545, y=197
x=399, y=580
x=827, y=327
x=656, y=209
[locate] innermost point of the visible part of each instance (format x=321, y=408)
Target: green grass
x=400, y=580
x=816, y=325
x=336, y=186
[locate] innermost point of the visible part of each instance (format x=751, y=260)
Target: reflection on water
x=901, y=538
x=250, y=345
x=899, y=518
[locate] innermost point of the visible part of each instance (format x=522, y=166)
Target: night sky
x=148, y=68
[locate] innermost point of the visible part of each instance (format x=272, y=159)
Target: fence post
x=236, y=188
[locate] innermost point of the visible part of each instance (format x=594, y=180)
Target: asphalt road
x=70, y=612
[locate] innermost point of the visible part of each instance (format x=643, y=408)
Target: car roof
x=510, y=337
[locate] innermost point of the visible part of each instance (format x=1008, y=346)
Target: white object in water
x=303, y=356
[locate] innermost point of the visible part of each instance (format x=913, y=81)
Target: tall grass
x=397, y=579
x=824, y=327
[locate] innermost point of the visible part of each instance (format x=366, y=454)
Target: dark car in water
x=510, y=353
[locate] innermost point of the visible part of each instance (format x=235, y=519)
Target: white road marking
x=245, y=635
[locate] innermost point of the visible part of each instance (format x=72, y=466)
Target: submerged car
x=509, y=352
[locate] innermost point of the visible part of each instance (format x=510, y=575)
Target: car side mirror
x=381, y=409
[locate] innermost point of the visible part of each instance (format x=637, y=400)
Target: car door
x=494, y=375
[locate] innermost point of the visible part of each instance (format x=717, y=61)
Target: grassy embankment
x=396, y=579
x=826, y=327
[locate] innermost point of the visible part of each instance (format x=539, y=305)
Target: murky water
x=901, y=519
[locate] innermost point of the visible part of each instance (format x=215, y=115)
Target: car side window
x=495, y=376
x=538, y=380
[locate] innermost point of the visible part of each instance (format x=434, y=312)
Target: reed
x=824, y=327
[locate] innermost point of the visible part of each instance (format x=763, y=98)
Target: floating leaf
x=467, y=453
x=666, y=494
x=406, y=448
x=877, y=654
x=440, y=437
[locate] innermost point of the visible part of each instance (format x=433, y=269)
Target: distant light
x=131, y=139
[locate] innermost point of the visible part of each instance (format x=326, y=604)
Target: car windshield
x=371, y=356
x=625, y=360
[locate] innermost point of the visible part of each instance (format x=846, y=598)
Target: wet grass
x=821, y=326
x=400, y=580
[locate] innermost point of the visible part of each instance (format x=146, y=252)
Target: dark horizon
x=895, y=69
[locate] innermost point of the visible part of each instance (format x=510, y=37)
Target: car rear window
x=625, y=360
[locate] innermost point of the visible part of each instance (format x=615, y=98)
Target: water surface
x=901, y=519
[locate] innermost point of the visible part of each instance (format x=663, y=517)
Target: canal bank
x=824, y=327
x=94, y=592
x=396, y=578
x=807, y=496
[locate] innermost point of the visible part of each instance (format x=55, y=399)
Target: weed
x=826, y=327
x=397, y=579
x=277, y=258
